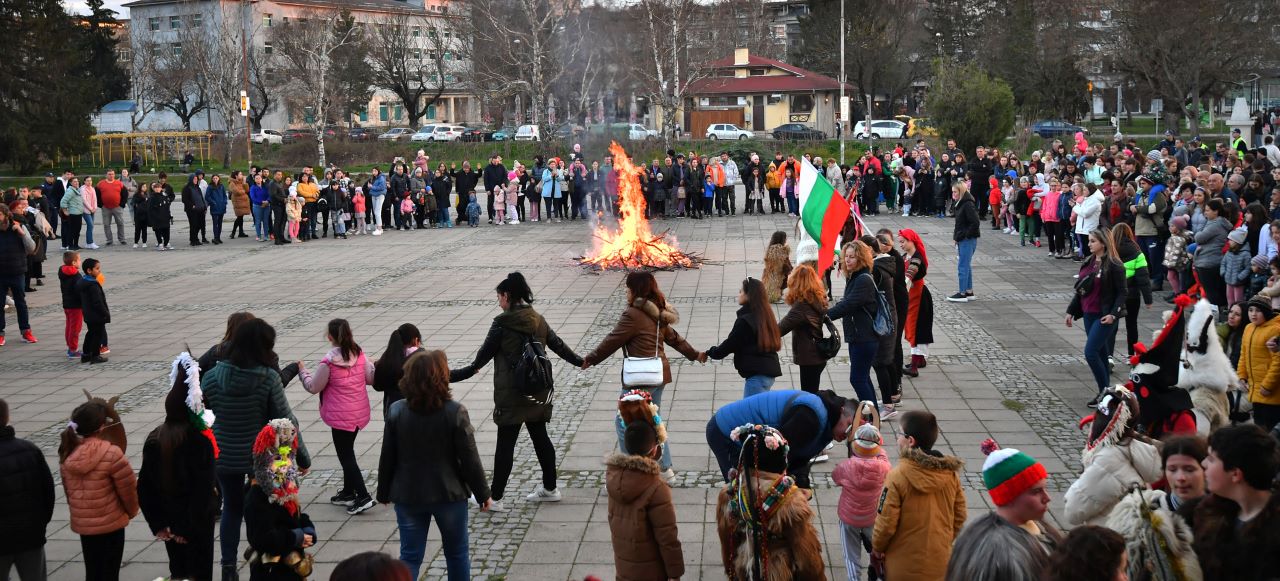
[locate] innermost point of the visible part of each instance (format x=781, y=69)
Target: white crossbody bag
x=644, y=371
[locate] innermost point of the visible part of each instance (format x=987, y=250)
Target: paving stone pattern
x=1003, y=366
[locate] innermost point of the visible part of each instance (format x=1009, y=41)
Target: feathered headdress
x=274, y=463
x=201, y=417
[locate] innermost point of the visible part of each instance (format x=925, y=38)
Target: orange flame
x=633, y=245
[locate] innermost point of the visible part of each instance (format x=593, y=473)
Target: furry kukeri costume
x=1158, y=541
x=1206, y=372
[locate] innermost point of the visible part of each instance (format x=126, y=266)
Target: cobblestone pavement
x=1003, y=366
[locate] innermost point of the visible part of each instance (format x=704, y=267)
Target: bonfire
x=633, y=246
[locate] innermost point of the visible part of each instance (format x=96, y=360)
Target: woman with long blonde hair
x=856, y=312
x=807, y=296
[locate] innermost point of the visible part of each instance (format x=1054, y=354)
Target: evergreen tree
x=99, y=46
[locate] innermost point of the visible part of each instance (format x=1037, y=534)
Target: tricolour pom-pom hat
x=1009, y=472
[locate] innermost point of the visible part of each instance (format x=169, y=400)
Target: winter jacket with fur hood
x=795, y=553
x=102, y=491
x=642, y=520
x=636, y=333
x=1110, y=473
x=344, y=402
x=922, y=509
x=861, y=480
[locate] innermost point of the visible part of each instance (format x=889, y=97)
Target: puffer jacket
x=1136, y=270
x=1175, y=252
x=1088, y=212
x=1110, y=473
x=861, y=479
x=244, y=400
x=1151, y=205
x=102, y=491
x=344, y=403
x=239, y=192
x=72, y=202
x=642, y=520
x=1259, y=368
x=1209, y=242
x=504, y=344
x=26, y=494
x=922, y=512
x=637, y=334
x=1235, y=266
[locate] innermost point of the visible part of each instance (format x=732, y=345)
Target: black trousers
x=775, y=203
x=344, y=443
x=162, y=235
x=1266, y=415
x=278, y=221
x=102, y=555
x=811, y=377
x=71, y=230
x=237, y=226
x=195, y=220
x=93, y=340
x=886, y=380
x=504, y=455
x=194, y=559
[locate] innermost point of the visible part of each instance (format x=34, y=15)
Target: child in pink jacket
x=340, y=379
x=861, y=478
x=499, y=205
x=358, y=207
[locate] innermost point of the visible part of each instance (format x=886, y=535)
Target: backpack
x=882, y=320
x=533, y=370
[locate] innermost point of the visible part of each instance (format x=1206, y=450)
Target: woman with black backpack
x=515, y=344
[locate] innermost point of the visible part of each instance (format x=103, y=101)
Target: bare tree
x=265, y=84
x=223, y=66
x=178, y=84
x=1197, y=52
x=669, y=66
x=142, y=90
x=411, y=56
x=309, y=45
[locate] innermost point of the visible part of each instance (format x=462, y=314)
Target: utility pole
x=844, y=104
x=245, y=12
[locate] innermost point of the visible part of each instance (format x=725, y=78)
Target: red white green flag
x=823, y=212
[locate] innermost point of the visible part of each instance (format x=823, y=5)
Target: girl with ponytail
x=101, y=490
x=404, y=341
x=340, y=379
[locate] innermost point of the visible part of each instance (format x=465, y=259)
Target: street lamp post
x=842, y=106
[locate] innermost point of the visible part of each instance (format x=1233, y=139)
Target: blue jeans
x=451, y=517
x=232, y=485
x=861, y=356
x=756, y=384
x=793, y=204
x=260, y=216
x=1153, y=247
x=964, y=268
x=88, y=228
x=656, y=393
x=1097, y=336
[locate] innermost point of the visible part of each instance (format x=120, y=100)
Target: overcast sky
x=78, y=7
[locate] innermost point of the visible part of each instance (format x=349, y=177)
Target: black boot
x=229, y=573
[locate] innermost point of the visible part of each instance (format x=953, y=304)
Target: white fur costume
x=1206, y=372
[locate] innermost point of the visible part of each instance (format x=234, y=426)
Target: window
x=270, y=76
x=417, y=32
x=448, y=56
x=266, y=20
x=196, y=20
x=779, y=31
x=722, y=101
x=364, y=114
x=268, y=48
x=175, y=22
x=417, y=54
x=448, y=78
x=399, y=111
x=153, y=24
x=175, y=49
x=447, y=33
x=431, y=55
x=382, y=112
x=757, y=72
x=431, y=33
x=801, y=103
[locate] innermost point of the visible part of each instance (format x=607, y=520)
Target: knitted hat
x=1262, y=305
x=1009, y=472
x=1238, y=235
x=1260, y=261
x=1182, y=222
x=866, y=441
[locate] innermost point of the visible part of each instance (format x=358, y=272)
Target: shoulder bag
x=644, y=371
x=829, y=346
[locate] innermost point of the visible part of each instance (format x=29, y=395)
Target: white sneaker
x=135, y=245
x=91, y=246
x=669, y=476
x=830, y=445
x=544, y=495
x=497, y=506
x=820, y=459
x=534, y=220
x=887, y=413
x=377, y=232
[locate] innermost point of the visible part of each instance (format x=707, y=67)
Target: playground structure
x=150, y=147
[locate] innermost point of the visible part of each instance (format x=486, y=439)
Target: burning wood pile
x=633, y=246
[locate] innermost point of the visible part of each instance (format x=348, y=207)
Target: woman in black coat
x=441, y=187
x=1099, y=300
x=754, y=340
x=176, y=485
x=517, y=325
x=159, y=216
x=856, y=311
x=968, y=229
x=1137, y=282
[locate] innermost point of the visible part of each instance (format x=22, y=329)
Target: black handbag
x=829, y=346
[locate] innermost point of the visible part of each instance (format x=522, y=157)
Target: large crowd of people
x=1170, y=489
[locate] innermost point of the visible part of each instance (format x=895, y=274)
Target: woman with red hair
x=918, y=328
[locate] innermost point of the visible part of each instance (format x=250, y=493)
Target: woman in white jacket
x=1115, y=460
x=1087, y=213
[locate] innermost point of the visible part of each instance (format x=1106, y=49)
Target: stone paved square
x=1003, y=366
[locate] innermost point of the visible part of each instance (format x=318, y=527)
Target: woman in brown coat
x=636, y=333
x=102, y=491
x=807, y=296
x=238, y=190
x=642, y=515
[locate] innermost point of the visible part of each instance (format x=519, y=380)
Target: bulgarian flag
x=823, y=212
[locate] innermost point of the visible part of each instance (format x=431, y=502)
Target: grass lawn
x=1151, y=126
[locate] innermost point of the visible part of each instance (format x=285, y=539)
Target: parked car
x=1055, y=128
x=396, y=134
x=796, y=131
x=727, y=131
x=528, y=133
x=477, y=134
x=267, y=136
x=423, y=134
x=292, y=135
x=880, y=129
x=638, y=132
x=504, y=134
x=359, y=134
x=447, y=133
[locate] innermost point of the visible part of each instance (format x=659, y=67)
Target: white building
x=167, y=22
